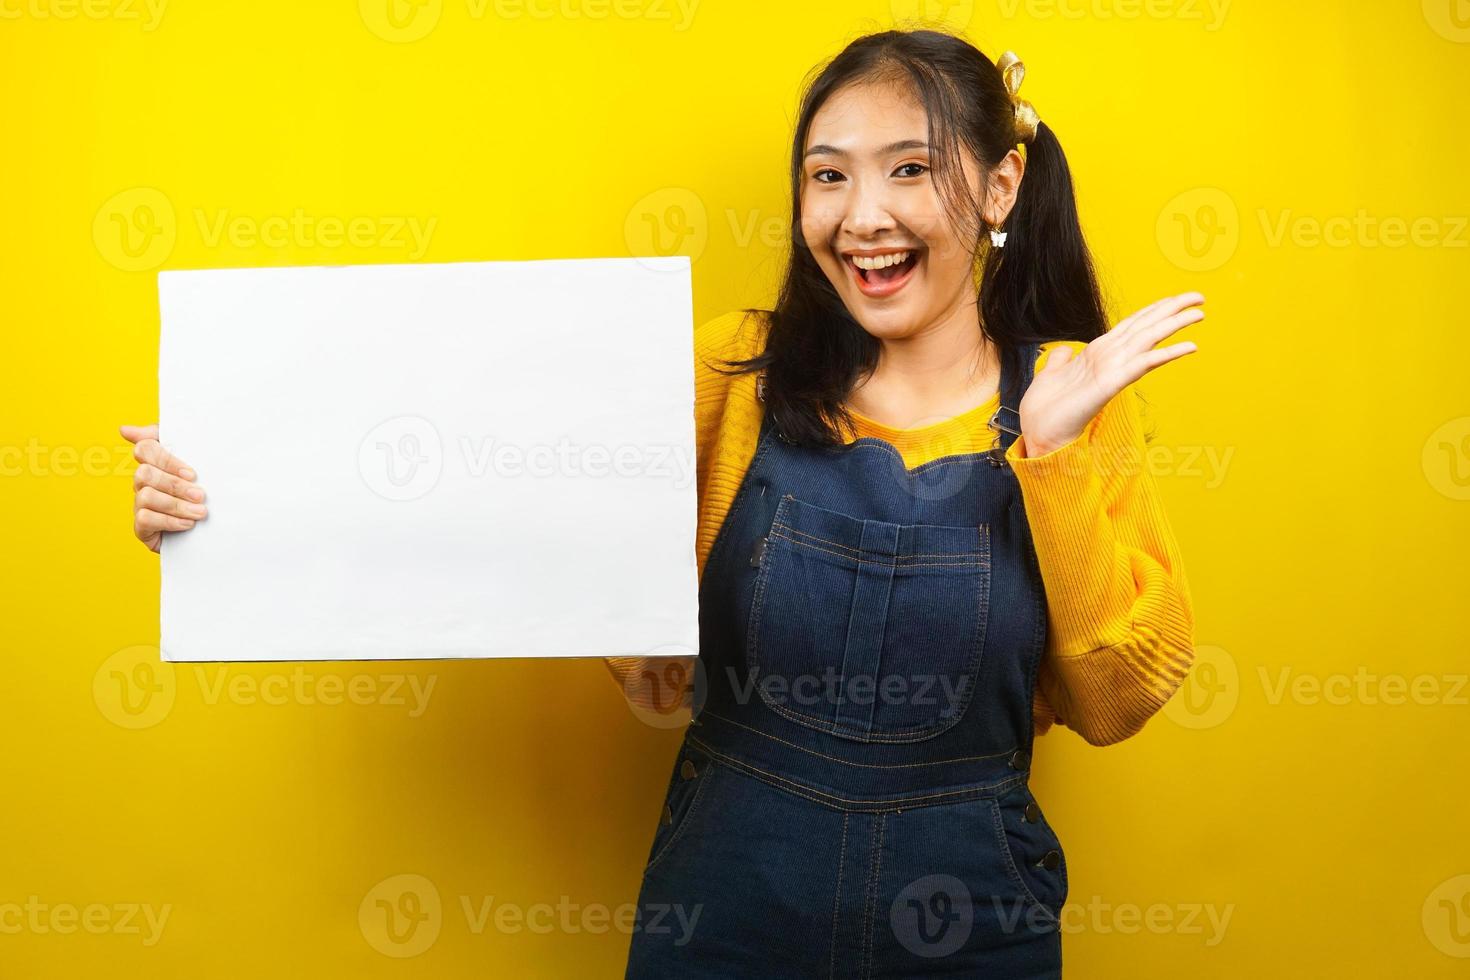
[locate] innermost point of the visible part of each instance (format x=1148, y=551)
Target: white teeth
x=878, y=261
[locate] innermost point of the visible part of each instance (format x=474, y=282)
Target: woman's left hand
x=1070, y=389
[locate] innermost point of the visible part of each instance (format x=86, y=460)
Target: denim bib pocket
x=868, y=630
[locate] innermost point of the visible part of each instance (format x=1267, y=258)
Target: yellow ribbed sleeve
x=1120, y=620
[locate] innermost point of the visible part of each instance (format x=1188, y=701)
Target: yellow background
x=1313, y=453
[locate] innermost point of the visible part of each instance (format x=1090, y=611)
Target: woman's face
x=868, y=198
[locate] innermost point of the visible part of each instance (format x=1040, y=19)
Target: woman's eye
x=818, y=176
x=906, y=166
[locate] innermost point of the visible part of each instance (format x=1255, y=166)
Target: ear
x=1003, y=183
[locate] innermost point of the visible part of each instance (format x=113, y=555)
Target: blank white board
x=476, y=459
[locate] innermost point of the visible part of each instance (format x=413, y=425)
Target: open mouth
x=883, y=275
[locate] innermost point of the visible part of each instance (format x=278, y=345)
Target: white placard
x=477, y=459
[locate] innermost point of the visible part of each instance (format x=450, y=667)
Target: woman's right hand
x=165, y=498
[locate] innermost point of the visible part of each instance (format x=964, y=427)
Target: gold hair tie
x=1013, y=72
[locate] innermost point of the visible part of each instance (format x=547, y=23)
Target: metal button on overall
x=688, y=770
x=668, y=815
x=1019, y=759
x=1051, y=860
x=1033, y=813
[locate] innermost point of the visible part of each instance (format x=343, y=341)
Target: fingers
x=1145, y=336
x=150, y=476
x=149, y=450
x=1158, y=309
x=132, y=433
x=1157, y=322
x=147, y=522
x=149, y=498
x=1164, y=355
x=164, y=496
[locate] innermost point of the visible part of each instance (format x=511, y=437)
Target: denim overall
x=851, y=797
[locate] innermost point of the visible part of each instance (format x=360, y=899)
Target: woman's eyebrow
x=828, y=150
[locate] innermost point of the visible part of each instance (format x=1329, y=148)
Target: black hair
x=1041, y=286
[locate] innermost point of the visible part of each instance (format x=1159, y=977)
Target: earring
x=997, y=238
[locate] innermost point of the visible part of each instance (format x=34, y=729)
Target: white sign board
x=478, y=459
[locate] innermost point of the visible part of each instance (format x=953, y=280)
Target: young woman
x=926, y=534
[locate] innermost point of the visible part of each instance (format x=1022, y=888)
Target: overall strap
x=1018, y=367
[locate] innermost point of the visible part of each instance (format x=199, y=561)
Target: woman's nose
x=867, y=211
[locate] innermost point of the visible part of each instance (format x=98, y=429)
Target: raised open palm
x=1071, y=388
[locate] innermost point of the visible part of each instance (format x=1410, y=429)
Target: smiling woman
x=926, y=536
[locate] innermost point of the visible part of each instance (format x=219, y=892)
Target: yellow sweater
x=1120, y=637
